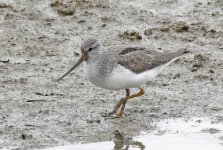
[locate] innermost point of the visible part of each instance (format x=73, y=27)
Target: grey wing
x=140, y=59
x=136, y=59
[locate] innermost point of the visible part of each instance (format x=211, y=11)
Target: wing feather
x=140, y=59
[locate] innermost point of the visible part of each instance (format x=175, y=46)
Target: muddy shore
x=40, y=40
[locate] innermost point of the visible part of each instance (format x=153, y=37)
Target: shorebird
x=121, y=67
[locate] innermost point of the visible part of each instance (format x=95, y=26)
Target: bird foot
x=113, y=115
x=121, y=114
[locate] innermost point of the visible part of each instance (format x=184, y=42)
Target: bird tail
x=178, y=53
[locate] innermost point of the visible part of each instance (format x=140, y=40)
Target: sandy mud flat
x=40, y=40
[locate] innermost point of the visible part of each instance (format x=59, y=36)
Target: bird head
x=88, y=47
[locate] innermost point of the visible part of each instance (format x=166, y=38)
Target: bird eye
x=90, y=49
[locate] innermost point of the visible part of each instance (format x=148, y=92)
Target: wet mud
x=40, y=40
x=178, y=133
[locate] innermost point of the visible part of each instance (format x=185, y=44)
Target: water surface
x=194, y=134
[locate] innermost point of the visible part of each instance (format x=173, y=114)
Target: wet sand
x=40, y=40
x=184, y=134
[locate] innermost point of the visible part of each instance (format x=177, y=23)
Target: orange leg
x=121, y=101
x=124, y=100
x=121, y=112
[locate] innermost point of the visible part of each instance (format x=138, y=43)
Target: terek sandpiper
x=122, y=67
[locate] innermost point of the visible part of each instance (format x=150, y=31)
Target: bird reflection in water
x=123, y=143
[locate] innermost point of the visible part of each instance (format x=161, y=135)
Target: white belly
x=122, y=78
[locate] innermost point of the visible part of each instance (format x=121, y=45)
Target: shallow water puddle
x=171, y=134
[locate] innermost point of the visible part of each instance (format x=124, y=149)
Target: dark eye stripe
x=90, y=49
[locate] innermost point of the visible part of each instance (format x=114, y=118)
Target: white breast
x=91, y=73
